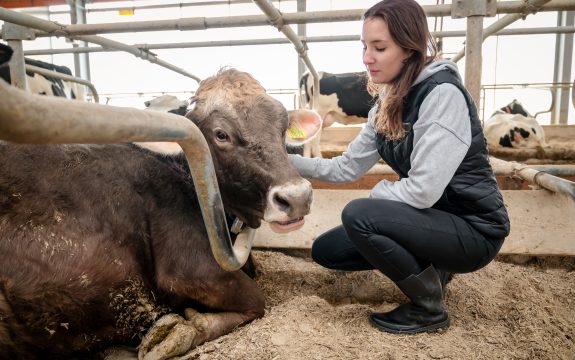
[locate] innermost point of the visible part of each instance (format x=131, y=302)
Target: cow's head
x=167, y=103
x=245, y=129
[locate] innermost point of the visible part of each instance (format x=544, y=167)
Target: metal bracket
x=465, y=8
x=17, y=32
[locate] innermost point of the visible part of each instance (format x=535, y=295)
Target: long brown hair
x=407, y=25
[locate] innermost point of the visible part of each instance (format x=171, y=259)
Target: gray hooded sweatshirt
x=442, y=136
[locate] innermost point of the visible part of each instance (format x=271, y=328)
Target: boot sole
x=428, y=328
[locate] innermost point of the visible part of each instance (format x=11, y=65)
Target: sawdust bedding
x=504, y=311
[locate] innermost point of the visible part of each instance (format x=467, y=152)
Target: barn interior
x=314, y=313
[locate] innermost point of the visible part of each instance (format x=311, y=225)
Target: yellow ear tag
x=296, y=132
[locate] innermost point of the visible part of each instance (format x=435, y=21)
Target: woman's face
x=382, y=57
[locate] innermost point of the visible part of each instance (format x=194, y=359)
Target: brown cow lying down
x=99, y=242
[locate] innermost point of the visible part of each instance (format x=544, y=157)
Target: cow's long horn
x=35, y=119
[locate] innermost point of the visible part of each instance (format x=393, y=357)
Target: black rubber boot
x=444, y=277
x=425, y=312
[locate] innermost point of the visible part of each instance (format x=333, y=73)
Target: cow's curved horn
x=35, y=119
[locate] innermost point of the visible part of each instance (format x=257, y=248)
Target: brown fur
x=98, y=241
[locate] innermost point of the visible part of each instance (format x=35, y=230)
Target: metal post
x=14, y=34
x=473, y=53
x=301, y=31
x=81, y=59
x=474, y=11
x=562, y=70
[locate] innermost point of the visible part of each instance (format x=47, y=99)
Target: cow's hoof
x=170, y=336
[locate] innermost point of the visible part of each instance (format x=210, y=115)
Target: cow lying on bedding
x=105, y=244
x=512, y=126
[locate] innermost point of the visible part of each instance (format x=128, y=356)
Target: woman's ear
x=304, y=125
x=407, y=57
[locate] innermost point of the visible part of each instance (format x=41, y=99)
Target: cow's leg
x=235, y=295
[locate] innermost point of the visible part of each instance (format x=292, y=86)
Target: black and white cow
x=168, y=103
x=514, y=127
x=514, y=107
x=343, y=97
x=46, y=85
x=98, y=243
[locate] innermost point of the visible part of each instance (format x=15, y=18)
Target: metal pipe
x=173, y=5
x=59, y=30
x=531, y=6
x=17, y=65
x=504, y=7
x=202, y=23
x=54, y=74
x=276, y=18
x=500, y=168
x=275, y=41
x=23, y=119
x=540, y=178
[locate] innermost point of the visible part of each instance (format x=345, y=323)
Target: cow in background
x=46, y=85
x=513, y=126
x=343, y=99
x=168, y=103
x=514, y=107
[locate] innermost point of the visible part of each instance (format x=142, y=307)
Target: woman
x=445, y=214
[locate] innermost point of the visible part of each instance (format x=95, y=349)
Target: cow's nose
x=292, y=198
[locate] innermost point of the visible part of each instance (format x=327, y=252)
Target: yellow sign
x=127, y=12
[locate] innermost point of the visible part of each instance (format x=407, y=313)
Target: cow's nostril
x=281, y=201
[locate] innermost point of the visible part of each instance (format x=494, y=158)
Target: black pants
x=400, y=240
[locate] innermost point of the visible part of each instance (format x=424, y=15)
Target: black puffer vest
x=472, y=193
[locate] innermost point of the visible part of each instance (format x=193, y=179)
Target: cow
x=514, y=131
x=168, y=103
x=513, y=126
x=343, y=99
x=514, y=107
x=105, y=244
x=46, y=85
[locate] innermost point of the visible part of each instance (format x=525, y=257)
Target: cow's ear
x=304, y=125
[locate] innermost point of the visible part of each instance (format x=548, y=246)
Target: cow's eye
x=221, y=135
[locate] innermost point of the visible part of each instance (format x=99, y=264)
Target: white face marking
x=298, y=192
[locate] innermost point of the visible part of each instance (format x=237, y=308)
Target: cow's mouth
x=287, y=226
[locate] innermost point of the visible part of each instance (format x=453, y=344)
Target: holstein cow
x=98, y=242
x=168, y=103
x=343, y=99
x=514, y=107
x=513, y=126
x=46, y=85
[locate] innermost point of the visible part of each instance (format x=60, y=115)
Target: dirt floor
x=504, y=311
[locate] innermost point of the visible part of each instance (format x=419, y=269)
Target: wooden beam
x=541, y=222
